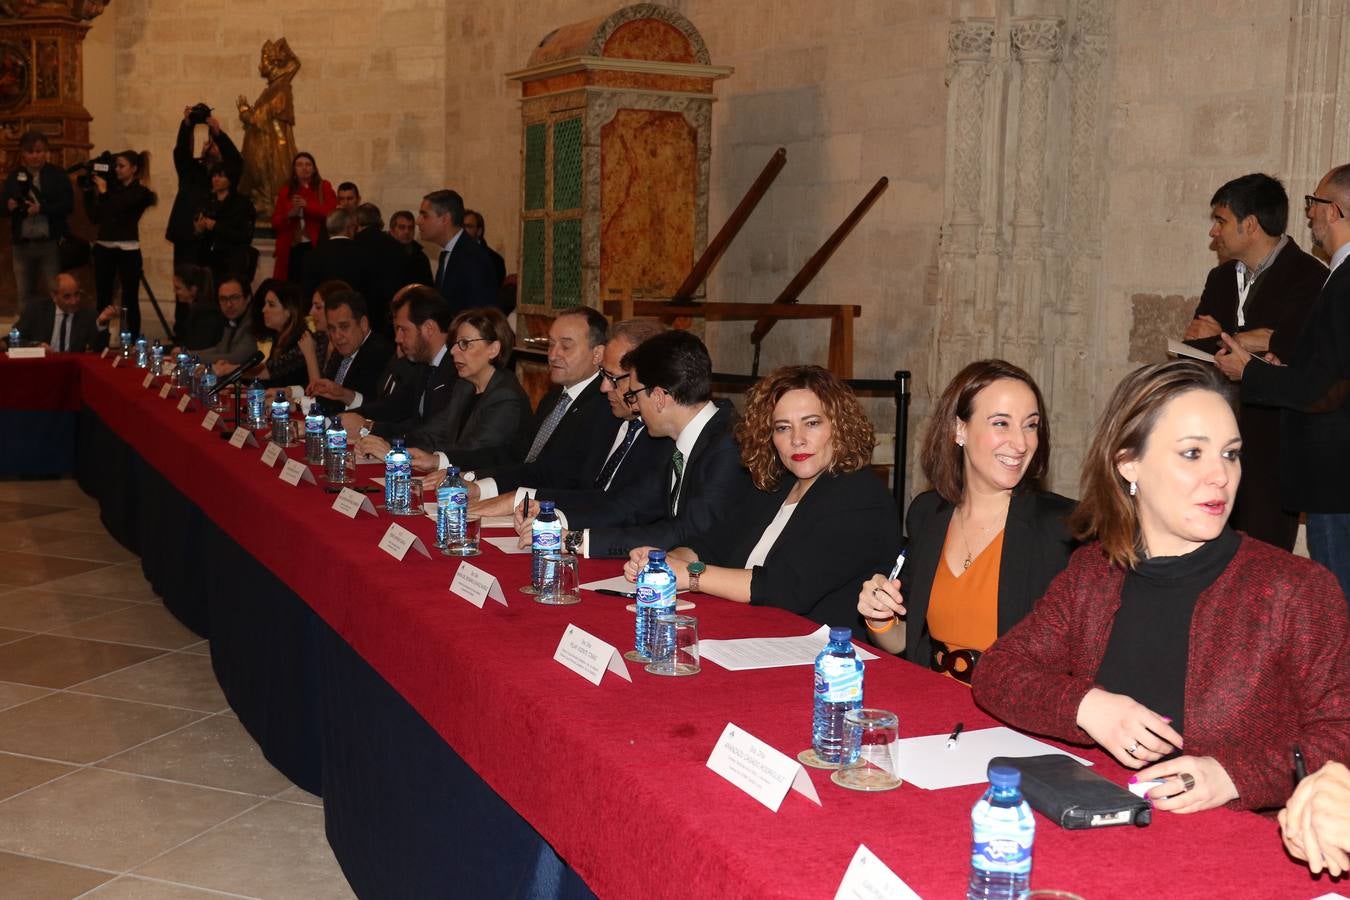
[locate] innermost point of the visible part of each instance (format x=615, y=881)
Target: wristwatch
x=696, y=569
x=365, y=429
x=572, y=543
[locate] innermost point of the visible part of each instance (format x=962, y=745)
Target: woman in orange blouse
x=986, y=541
x=298, y=216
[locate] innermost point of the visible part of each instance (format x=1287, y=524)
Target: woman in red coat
x=1186, y=650
x=298, y=216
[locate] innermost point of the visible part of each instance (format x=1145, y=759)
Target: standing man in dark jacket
x=464, y=274
x=194, y=185
x=39, y=197
x=1261, y=295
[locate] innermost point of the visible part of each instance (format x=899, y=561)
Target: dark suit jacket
x=432, y=388
x=194, y=182
x=713, y=479
x=469, y=280
x=364, y=373
x=587, y=423
x=495, y=431
x=338, y=258
x=1312, y=389
x=56, y=199
x=396, y=391
x=38, y=319
x=593, y=505
x=845, y=528
x=1036, y=548
x=386, y=267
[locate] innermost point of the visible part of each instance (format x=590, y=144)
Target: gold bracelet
x=890, y=623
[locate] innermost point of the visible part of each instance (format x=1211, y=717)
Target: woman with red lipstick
x=985, y=543
x=816, y=519
x=1171, y=633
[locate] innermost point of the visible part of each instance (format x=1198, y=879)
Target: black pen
x=956, y=733
x=1300, y=767
x=614, y=593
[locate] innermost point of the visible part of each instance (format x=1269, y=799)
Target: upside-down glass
x=675, y=646
x=874, y=735
x=559, y=582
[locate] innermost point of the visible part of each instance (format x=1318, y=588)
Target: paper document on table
x=499, y=522
x=1177, y=348
x=509, y=544
x=621, y=585
x=770, y=653
x=927, y=763
x=363, y=459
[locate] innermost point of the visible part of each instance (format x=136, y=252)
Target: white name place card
x=164, y=391
x=184, y=402
x=117, y=360
x=295, y=471
x=868, y=878
x=758, y=769
x=476, y=586
x=27, y=352
x=589, y=656
x=149, y=380
x=350, y=502
x=210, y=420
x=271, y=454
x=397, y=541
x=241, y=437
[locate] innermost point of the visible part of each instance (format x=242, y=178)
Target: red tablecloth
x=49, y=384
x=614, y=776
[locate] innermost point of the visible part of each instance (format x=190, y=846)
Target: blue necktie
x=546, y=430
x=343, y=367
x=602, y=480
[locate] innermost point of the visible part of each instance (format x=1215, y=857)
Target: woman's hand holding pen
x=880, y=600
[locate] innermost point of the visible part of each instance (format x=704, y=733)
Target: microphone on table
x=233, y=378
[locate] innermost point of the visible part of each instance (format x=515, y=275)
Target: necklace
x=961, y=523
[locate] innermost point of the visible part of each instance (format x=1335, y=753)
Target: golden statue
x=269, y=128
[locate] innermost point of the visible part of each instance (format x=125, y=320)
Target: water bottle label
x=546, y=541
x=459, y=498
x=337, y=440
x=314, y=426
x=839, y=680
x=1002, y=854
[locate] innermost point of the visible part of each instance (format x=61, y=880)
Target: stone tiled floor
x=123, y=773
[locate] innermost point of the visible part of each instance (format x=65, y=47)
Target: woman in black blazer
x=985, y=452
x=816, y=520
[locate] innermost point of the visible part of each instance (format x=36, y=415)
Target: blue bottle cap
x=452, y=472
x=281, y=397
x=656, y=555
x=840, y=634
x=1004, y=776
x=546, y=506
x=397, y=444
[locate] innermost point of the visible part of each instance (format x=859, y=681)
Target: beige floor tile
x=39, y=609
x=110, y=820
x=56, y=493
x=19, y=773
x=276, y=850
x=122, y=582
x=34, y=536
x=215, y=752
x=81, y=729
x=51, y=661
x=141, y=623
x=12, y=511
x=13, y=694
x=129, y=887
x=296, y=794
x=25, y=878
x=26, y=569
x=83, y=521
x=174, y=679
x=9, y=635
x=201, y=648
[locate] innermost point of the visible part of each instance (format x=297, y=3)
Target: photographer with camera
x=39, y=197
x=195, y=183
x=116, y=206
x=224, y=226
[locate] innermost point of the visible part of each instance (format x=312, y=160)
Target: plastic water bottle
x=839, y=688
x=281, y=419
x=255, y=400
x=456, y=515
x=142, y=354
x=124, y=341
x=397, y=479
x=182, y=371
x=157, y=359
x=655, y=597
x=545, y=537
x=443, y=515
x=15, y=338
x=210, y=398
x=335, y=453
x=314, y=423
x=196, y=372
x=1003, y=830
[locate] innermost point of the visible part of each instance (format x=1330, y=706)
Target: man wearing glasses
x=1261, y=294
x=1311, y=388
x=236, y=342
x=62, y=325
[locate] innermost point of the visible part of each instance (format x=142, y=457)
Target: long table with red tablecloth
x=614, y=777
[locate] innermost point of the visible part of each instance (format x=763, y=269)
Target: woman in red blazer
x=298, y=216
x=1186, y=650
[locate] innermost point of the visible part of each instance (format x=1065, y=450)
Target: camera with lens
x=198, y=114
x=101, y=165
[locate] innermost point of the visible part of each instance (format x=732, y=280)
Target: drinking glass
x=675, y=646
x=874, y=734
x=473, y=530
x=559, y=585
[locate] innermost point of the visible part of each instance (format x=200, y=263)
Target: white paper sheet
x=499, y=522
x=506, y=544
x=927, y=763
x=770, y=653
x=1177, y=348
x=625, y=587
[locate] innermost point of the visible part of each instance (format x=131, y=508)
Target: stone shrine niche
x=41, y=88
x=617, y=116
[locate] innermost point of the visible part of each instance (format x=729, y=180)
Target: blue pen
x=899, y=564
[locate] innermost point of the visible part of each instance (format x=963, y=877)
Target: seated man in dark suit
x=62, y=324
x=573, y=417
x=237, y=342
x=671, y=385
x=336, y=259
x=362, y=355
x=421, y=317
x=626, y=454
x=464, y=273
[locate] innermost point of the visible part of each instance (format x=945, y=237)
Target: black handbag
x=1072, y=795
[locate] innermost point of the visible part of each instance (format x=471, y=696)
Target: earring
x=960, y=443
x=1134, y=488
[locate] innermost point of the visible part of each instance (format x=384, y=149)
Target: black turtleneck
x=1147, y=653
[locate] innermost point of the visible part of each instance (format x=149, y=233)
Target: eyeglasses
x=1310, y=199
x=613, y=379
x=463, y=343
x=630, y=397
x=231, y=298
